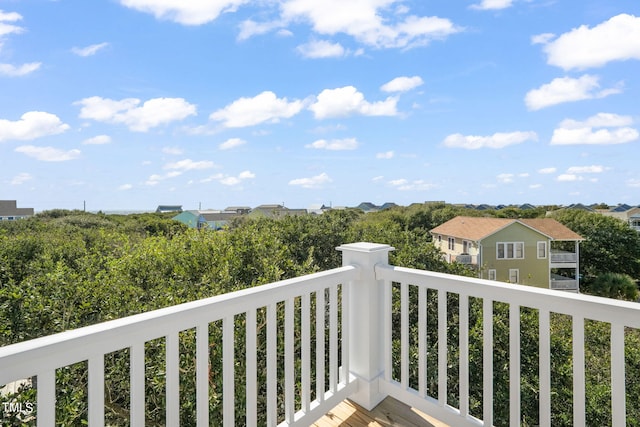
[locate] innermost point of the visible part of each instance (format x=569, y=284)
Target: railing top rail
x=586, y=306
x=69, y=347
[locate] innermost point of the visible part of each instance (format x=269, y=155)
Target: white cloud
x=174, y=151
x=250, y=28
x=314, y=182
x=593, y=131
x=377, y=178
x=138, y=118
x=32, y=125
x=402, y=84
x=492, y=4
x=347, y=100
x=334, y=144
x=505, y=178
x=125, y=187
x=188, y=164
x=543, y=38
x=569, y=178
x=235, y=180
x=13, y=71
x=567, y=89
x=21, y=178
x=231, y=143
x=497, y=140
x=321, y=49
x=385, y=155
x=263, y=108
x=230, y=180
x=48, y=154
x=403, y=184
x=192, y=12
x=365, y=22
x=89, y=50
x=535, y=186
x=547, y=170
x=617, y=39
x=6, y=29
x=97, y=140
x=586, y=169
x=633, y=183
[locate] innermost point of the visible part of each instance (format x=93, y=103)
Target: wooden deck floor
x=389, y=413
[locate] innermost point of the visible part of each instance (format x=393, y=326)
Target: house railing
x=563, y=257
x=466, y=259
x=564, y=284
x=373, y=336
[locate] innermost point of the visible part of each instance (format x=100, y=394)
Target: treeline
x=67, y=269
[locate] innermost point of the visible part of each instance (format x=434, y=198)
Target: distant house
x=537, y=252
x=210, y=220
x=368, y=207
x=275, y=211
x=9, y=211
x=626, y=213
x=243, y=210
x=169, y=208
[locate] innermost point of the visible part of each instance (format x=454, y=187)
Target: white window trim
x=451, y=243
x=544, y=244
x=517, y=274
x=504, y=244
x=491, y=275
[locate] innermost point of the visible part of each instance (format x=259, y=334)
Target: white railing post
x=365, y=313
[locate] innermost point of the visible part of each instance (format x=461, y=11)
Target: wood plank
x=389, y=413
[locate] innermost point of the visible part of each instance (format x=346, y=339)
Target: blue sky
x=127, y=104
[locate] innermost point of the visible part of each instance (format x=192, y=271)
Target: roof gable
x=478, y=228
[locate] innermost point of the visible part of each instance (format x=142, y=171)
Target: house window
x=542, y=250
x=510, y=250
x=514, y=275
x=452, y=243
x=492, y=274
x=466, y=246
x=439, y=238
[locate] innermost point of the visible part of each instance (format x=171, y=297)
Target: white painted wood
x=272, y=366
x=228, y=371
x=514, y=365
x=306, y=352
x=333, y=338
x=251, y=369
x=366, y=347
x=172, y=380
x=578, y=372
x=422, y=341
x=618, y=404
x=404, y=335
x=46, y=398
x=137, y=378
x=387, y=330
x=464, y=354
x=344, y=319
x=96, y=391
x=79, y=345
x=289, y=365
x=202, y=375
x=545, y=369
x=320, y=329
x=442, y=347
x=487, y=361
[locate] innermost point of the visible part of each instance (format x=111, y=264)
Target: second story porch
x=465, y=351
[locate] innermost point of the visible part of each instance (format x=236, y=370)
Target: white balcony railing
x=368, y=338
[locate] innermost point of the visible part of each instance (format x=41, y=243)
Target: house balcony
x=561, y=283
x=467, y=259
x=563, y=257
x=287, y=353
